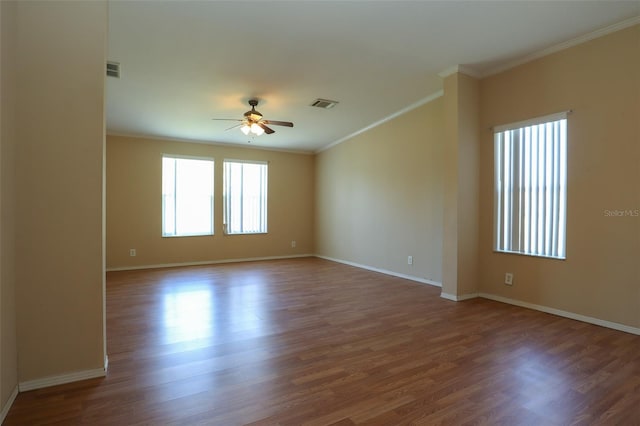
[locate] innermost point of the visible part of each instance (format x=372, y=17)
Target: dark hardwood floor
x=311, y=342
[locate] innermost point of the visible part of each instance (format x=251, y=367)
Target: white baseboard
x=458, y=298
x=382, y=271
x=570, y=315
x=62, y=379
x=7, y=406
x=455, y=298
x=204, y=262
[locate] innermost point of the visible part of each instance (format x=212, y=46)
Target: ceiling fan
x=254, y=123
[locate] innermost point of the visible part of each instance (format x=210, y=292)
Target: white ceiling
x=185, y=62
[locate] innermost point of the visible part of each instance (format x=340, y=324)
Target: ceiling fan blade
x=278, y=123
x=266, y=129
x=233, y=127
x=226, y=119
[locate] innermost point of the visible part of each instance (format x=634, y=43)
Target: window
x=531, y=187
x=187, y=196
x=245, y=197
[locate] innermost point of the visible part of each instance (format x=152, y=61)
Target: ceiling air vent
x=113, y=69
x=324, y=103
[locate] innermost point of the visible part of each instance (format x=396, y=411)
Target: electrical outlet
x=410, y=260
x=293, y=244
x=132, y=252
x=508, y=278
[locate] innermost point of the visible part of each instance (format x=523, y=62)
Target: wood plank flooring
x=312, y=342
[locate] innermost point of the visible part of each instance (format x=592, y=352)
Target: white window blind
x=187, y=196
x=531, y=187
x=245, y=197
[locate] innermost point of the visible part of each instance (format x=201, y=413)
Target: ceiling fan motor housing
x=253, y=115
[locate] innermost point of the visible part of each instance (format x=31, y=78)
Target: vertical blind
x=530, y=187
x=187, y=196
x=245, y=197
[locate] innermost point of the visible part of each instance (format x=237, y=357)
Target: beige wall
x=379, y=195
x=134, y=205
x=8, y=344
x=461, y=165
x=59, y=175
x=600, y=81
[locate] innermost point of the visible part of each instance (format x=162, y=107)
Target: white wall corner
x=460, y=298
x=7, y=406
x=448, y=296
x=462, y=69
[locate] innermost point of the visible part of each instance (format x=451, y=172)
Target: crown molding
x=404, y=110
x=564, y=45
x=462, y=69
x=203, y=142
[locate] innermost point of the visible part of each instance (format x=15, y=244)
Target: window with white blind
x=245, y=197
x=187, y=196
x=531, y=187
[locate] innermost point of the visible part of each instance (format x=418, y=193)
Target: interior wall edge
x=8, y=404
x=458, y=298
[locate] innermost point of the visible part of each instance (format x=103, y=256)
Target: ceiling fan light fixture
x=257, y=130
x=253, y=122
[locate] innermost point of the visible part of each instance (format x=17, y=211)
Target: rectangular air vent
x=324, y=103
x=113, y=69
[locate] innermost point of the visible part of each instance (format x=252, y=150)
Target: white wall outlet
x=132, y=252
x=293, y=243
x=508, y=278
x=410, y=260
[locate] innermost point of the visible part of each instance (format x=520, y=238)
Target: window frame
x=525, y=217
x=225, y=200
x=213, y=171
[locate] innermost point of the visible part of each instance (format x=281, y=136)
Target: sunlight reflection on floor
x=201, y=313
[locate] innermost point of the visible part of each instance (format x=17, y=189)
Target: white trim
x=448, y=296
x=382, y=271
x=204, y=262
x=562, y=115
x=7, y=406
x=561, y=313
x=404, y=110
x=235, y=160
x=62, y=379
x=564, y=45
x=459, y=69
x=188, y=157
x=203, y=142
x=460, y=298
